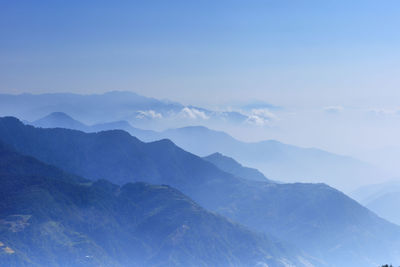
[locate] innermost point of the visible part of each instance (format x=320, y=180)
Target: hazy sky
x=333, y=65
x=206, y=52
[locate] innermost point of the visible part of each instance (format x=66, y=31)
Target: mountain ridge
x=274, y=159
x=321, y=220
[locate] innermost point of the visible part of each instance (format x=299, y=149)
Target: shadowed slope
x=50, y=218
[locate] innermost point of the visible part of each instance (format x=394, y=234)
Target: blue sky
x=284, y=52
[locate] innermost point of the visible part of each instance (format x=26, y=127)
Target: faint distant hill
x=383, y=199
x=51, y=218
x=386, y=206
x=277, y=160
x=320, y=220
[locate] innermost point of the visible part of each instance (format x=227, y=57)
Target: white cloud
x=192, y=113
x=260, y=117
x=148, y=114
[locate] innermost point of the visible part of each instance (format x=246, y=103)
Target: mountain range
x=277, y=160
x=320, y=220
x=63, y=120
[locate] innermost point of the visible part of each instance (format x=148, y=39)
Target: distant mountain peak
x=59, y=114
x=59, y=120
x=194, y=127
